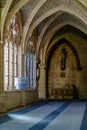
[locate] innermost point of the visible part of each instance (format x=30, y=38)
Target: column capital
x=42, y=66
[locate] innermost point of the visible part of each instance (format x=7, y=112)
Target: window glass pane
x=11, y=53
x=31, y=70
x=34, y=71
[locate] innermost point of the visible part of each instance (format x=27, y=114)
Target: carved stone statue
x=63, y=59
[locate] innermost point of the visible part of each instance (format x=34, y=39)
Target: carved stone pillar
x=42, y=82
x=22, y=63
x=2, y=95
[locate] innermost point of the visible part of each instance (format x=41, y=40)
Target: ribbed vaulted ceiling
x=2, y=3
x=46, y=16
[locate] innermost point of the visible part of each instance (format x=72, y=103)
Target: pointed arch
x=72, y=48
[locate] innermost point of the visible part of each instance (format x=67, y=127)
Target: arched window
x=31, y=70
x=11, y=54
x=30, y=65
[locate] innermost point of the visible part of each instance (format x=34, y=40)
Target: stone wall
x=15, y=99
x=71, y=75
x=59, y=78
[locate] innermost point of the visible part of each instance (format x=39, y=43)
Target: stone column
x=42, y=82
x=22, y=63
x=2, y=94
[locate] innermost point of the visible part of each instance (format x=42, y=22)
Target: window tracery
x=11, y=54
x=31, y=64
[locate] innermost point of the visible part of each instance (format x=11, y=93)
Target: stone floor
x=50, y=115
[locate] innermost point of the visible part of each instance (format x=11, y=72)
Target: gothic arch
x=72, y=48
x=51, y=12
x=60, y=31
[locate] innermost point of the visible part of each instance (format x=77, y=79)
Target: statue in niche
x=63, y=59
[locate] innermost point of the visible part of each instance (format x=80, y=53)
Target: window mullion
x=13, y=65
x=17, y=62
x=8, y=64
